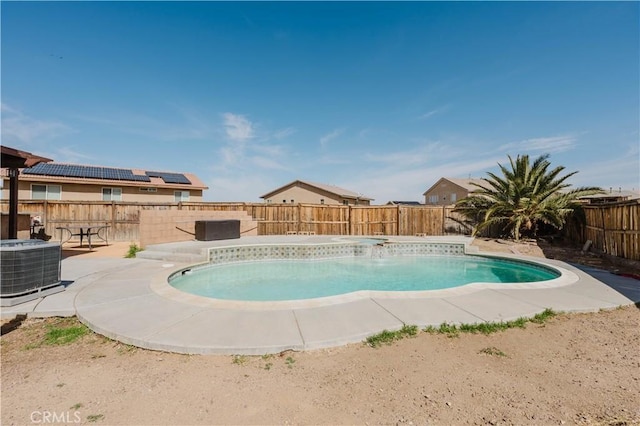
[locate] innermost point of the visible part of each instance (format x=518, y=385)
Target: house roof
x=99, y=175
x=630, y=195
x=344, y=193
x=405, y=203
x=462, y=183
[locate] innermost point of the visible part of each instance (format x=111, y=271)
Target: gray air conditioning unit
x=30, y=270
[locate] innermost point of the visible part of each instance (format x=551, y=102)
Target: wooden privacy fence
x=273, y=219
x=614, y=229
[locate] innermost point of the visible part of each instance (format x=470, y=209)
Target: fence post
x=398, y=220
x=45, y=213
x=604, y=231
x=443, y=219
x=113, y=216
x=349, y=224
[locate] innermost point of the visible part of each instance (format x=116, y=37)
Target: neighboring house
x=71, y=182
x=404, y=203
x=300, y=191
x=447, y=191
x=611, y=196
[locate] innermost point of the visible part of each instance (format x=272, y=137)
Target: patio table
x=99, y=231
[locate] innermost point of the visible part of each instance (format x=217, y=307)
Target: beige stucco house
x=611, y=196
x=300, y=191
x=447, y=191
x=72, y=182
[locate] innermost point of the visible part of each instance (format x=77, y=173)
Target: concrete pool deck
x=116, y=297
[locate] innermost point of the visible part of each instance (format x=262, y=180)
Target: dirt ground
x=572, y=369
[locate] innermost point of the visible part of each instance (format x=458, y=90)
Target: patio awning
x=14, y=159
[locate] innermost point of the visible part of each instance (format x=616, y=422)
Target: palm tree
x=526, y=196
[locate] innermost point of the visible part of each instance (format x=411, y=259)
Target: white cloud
x=229, y=188
x=176, y=124
x=429, y=114
x=433, y=112
x=420, y=155
x=21, y=129
x=324, y=140
x=267, y=163
x=228, y=157
x=242, y=158
x=622, y=171
x=281, y=134
x=270, y=150
x=68, y=154
x=364, y=132
x=547, y=144
x=402, y=183
x=238, y=127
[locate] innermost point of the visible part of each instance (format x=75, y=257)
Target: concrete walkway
x=119, y=298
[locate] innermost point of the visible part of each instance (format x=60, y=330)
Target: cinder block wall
x=167, y=226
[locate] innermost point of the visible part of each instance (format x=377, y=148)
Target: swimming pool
x=287, y=273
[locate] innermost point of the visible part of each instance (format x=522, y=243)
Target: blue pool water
x=294, y=280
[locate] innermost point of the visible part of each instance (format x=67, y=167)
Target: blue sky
x=381, y=98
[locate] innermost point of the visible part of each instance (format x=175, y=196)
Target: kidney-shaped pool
x=296, y=279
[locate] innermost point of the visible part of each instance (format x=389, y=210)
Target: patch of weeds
x=133, y=250
x=95, y=356
x=92, y=418
x=240, y=359
x=430, y=329
x=493, y=351
x=408, y=330
x=384, y=337
x=64, y=335
x=266, y=357
x=75, y=406
x=61, y=332
x=387, y=337
x=290, y=361
x=520, y=322
x=543, y=316
x=452, y=330
x=492, y=327
x=59, y=385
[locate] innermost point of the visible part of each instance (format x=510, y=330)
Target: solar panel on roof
x=170, y=177
x=88, y=172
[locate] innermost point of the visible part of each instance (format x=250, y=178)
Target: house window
x=345, y=202
x=433, y=199
x=181, y=196
x=46, y=192
x=284, y=201
x=291, y=201
x=454, y=197
x=111, y=194
x=321, y=200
